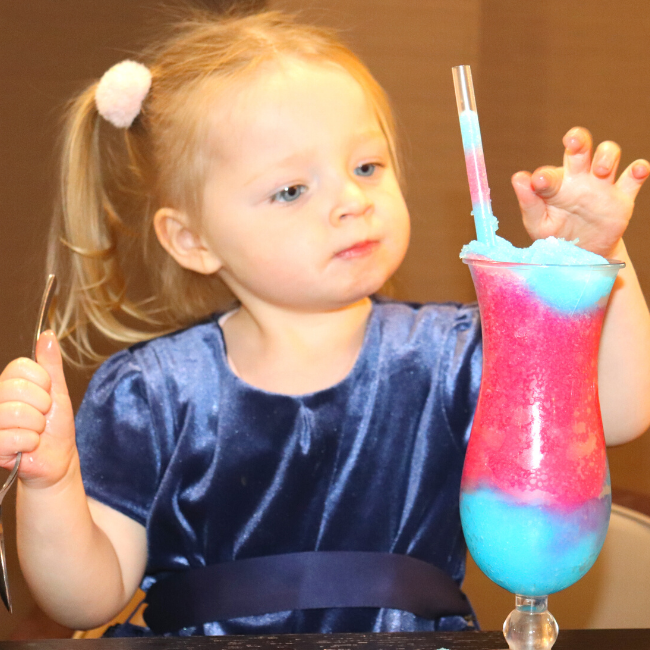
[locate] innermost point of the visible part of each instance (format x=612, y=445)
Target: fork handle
x=12, y=476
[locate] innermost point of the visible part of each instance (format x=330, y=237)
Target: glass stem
x=530, y=626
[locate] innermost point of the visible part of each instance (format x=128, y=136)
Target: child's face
x=302, y=208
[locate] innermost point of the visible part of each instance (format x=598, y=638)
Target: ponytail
x=89, y=242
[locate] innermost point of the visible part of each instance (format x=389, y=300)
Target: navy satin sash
x=310, y=580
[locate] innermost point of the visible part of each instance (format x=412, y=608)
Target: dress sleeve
x=118, y=440
x=461, y=370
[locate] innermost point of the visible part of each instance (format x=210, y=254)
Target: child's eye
x=367, y=169
x=289, y=194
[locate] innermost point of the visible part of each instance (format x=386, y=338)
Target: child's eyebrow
x=288, y=160
x=373, y=134
x=361, y=138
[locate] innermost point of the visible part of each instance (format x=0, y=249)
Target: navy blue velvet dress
x=218, y=470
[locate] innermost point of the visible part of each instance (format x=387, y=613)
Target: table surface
x=568, y=640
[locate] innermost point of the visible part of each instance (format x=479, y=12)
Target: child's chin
x=358, y=294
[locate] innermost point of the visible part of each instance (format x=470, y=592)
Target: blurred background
x=539, y=69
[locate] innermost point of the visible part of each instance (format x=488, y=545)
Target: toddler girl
x=293, y=464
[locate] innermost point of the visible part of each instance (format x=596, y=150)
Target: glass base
x=530, y=626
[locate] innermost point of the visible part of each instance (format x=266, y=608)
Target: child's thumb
x=48, y=356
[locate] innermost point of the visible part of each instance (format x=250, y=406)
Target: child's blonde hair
x=113, y=181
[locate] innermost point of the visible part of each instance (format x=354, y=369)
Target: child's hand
x=581, y=200
x=36, y=416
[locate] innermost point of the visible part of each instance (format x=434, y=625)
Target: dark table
x=568, y=640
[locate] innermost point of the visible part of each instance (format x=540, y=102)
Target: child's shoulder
x=190, y=341
x=447, y=315
x=190, y=351
x=430, y=331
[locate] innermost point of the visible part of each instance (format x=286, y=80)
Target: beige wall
x=539, y=68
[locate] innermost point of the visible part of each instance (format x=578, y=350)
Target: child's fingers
x=48, y=355
x=606, y=159
x=60, y=418
x=28, y=370
x=577, y=151
x=13, y=441
x=18, y=415
x=533, y=208
x=546, y=181
x=633, y=177
x=23, y=390
x=525, y=195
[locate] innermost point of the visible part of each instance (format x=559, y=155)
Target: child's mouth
x=358, y=250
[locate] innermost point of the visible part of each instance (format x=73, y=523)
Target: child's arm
x=82, y=560
x=582, y=200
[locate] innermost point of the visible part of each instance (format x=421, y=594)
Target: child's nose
x=353, y=201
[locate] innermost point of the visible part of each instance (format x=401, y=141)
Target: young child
x=307, y=445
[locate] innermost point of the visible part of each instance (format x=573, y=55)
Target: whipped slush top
x=562, y=285
x=543, y=251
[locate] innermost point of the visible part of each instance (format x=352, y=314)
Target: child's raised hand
x=36, y=416
x=582, y=199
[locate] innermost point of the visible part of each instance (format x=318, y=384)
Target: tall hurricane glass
x=535, y=493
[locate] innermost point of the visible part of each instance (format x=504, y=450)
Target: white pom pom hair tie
x=121, y=91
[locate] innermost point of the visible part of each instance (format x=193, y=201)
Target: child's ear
x=177, y=236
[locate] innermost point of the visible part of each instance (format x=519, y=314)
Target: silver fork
x=48, y=293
